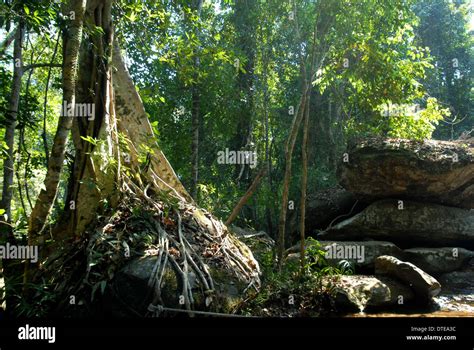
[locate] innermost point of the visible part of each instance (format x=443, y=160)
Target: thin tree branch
x=45, y=141
x=247, y=195
x=41, y=65
x=8, y=41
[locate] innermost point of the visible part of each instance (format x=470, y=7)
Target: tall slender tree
x=196, y=109
x=74, y=13
x=11, y=123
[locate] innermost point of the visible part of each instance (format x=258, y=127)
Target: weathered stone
x=131, y=287
x=359, y=292
x=459, y=282
x=361, y=253
x=293, y=257
x=322, y=207
x=424, y=285
x=432, y=171
x=260, y=243
x=436, y=261
x=409, y=224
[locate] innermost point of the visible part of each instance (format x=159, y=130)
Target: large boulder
x=323, y=207
x=432, y=171
x=437, y=261
x=459, y=282
x=132, y=291
x=410, y=224
x=358, y=292
x=424, y=285
x=360, y=253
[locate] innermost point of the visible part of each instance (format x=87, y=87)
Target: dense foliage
x=231, y=72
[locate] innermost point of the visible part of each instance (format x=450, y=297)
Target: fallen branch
x=246, y=196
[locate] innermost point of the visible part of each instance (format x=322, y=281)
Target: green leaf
x=103, y=284
x=90, y=139
x=27, y=10
x=132, y=17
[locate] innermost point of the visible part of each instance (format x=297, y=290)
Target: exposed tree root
x=184, y=239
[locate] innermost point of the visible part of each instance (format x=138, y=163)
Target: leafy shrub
x=420, y=126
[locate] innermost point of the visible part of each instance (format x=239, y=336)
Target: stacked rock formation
x=419, y=227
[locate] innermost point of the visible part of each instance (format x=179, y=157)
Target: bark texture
x=196, y=114
x=71, y=46
x=11, y=123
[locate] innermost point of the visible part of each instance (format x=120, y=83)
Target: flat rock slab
x=424, y=285
x=437, y=261
x=359, y=292
x=409, y=223
x=431, y=171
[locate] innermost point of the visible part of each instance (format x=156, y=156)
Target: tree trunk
x=45, y=103
x=246, y=43
x=268, y=160
x=6, y=232
x=290, y=145
x=133, y=121
x=304, y=183
x=121, y=130
x=93, y=179
x=71, y=44
x=11, y=123
x=300, y=113
x=196, y=115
